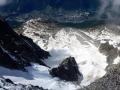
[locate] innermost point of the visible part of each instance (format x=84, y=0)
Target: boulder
x=18, y=51
x=68, y=70
x=109, y=50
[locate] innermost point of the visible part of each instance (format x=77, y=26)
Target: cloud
x=104, y=5
x=110, y=8
x=4, y=2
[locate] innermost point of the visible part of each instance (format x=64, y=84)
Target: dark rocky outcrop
x=110, y=51
x=7, y=84
x=67, y=70
x=18, y=51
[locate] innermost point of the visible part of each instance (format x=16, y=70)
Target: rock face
x=109, y=50
x=111, y=81
x=7, y=84
x=67, y=70
x=18, y=51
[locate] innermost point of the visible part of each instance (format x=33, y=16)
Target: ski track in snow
x=66, y=42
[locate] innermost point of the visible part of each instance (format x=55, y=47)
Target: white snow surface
x=37, y=75
x=62, y=43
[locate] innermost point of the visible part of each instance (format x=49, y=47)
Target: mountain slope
x=17, y=51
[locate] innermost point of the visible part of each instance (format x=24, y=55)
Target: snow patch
x=69, y=42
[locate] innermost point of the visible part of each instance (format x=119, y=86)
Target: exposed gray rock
x=110, y=51
x=67, y=70
x=119, y=53
x=111, y=81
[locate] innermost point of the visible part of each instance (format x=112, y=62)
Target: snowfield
x=62, y=43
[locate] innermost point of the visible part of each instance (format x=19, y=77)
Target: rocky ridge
x=18, y=51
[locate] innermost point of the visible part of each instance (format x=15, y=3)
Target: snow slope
x=66, y=42
x=61, y=43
